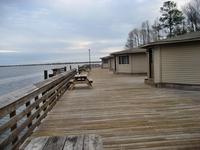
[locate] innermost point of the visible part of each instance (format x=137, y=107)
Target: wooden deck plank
x=127, y=114
x=37, y=144
x=81, y=142
x=74, y=143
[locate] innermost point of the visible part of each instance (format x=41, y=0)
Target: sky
x=45, y=31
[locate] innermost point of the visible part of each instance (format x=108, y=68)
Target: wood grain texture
x=37, y=144
x=81, y=142
x=127, y=114
x=74, y=142
x=55, y=143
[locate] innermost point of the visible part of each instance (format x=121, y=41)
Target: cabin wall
x=123, y=68
x=180, y=63
x=112, y=64
x=157, y=65
x=139, y=63
x=105, y=65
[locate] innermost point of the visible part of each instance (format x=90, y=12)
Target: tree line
x=171, y=23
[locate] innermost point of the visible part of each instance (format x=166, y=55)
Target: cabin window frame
x=124, y=59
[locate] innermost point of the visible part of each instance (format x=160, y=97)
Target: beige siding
x=181, y=64
x=112, y=67
x=105, y=65
x=157, y=65
x=139, y=63
x=123, y=68
x=111, y=64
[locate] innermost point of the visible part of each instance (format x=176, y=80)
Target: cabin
x=175, y=62
x=132, y=61
x=108, y=62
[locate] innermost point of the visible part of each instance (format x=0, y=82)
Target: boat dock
x=126, y=113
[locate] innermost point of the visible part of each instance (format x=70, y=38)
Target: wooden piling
x=45, y=74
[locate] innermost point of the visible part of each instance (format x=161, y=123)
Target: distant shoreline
x=63, y=63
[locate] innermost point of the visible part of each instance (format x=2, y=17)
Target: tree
x=171, y=18
x=137, y=39
x=181, y=29
x=130, y=40
x=140, y=36
x=156, y=27
x=134, y=39
x=145, y=32
x=192, y=12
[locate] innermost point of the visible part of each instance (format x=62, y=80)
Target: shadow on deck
x=127, y=114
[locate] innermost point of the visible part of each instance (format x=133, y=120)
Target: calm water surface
x=13, y=78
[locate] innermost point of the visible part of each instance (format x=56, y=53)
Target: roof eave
x=125, y=53
x=168, y=42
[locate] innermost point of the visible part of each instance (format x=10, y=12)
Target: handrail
x=23, y=110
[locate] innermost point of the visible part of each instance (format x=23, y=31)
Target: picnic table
x=81, y=79
x=82, y=142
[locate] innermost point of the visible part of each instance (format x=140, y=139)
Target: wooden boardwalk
x=127, y=114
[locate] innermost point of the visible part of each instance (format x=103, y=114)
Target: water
x=13, y=78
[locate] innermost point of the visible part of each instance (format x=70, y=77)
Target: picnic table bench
x=82, y=142
x=81, y=79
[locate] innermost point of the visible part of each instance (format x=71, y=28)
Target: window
x=105, y=61
x=124, y=59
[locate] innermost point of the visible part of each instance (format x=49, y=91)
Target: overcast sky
x=40, y=31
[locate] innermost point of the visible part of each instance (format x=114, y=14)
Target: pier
x=124, y=112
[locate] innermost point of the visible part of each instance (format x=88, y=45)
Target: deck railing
x=22, y=112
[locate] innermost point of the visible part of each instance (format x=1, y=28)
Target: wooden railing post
x=43, y=102
x=65, y=68
x=37, y=107
x=12, y=114
x=79, y=69
x=28, y=114
x=45, y=74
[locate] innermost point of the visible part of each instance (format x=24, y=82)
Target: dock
x=127, y=114
x=120, y=109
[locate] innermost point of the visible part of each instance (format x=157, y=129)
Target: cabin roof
x=106, y=57
x=190, y=37
x=129, y=51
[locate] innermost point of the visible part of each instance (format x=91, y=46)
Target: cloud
x=111, y=49
x=8, y=51
x=57, y=28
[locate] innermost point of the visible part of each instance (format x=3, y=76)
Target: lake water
x=13, y=78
